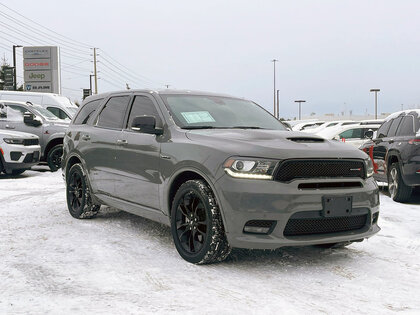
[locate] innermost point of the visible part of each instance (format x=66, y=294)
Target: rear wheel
x=54, y=157
x=196, y=224
x=79, y=200
x=398, y=190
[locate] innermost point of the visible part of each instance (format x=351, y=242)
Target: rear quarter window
x=86, y=112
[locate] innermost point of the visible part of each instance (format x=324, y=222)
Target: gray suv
x=29, y=118
x=220, y=171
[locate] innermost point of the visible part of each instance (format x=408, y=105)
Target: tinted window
x=406, y=127
x=383, y=130
x=58, y=112
x=112, y=115
x=394, y=126
x=142, y=106
x=86, y=112
x=352, y=133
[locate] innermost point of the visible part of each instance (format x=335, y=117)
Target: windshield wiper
x=202, y=127
x=246, y=127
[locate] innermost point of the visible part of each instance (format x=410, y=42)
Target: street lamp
x=90, y=82
x=376, y=101
x=14, y=65
x=300, y=110
x=274, y=91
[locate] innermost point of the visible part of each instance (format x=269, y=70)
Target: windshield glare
x=195, y=111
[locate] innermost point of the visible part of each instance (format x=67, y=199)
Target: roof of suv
x=158, y=91
x=406, y=112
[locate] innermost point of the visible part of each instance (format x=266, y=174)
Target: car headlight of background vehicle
x=369, y=167
x=13, y=140
x=250, y=168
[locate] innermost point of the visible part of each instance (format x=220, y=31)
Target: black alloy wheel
x=79, y=200
x=54, y=157
x=191, y=223
x=196, y=224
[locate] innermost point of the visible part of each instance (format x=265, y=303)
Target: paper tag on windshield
x=197, y=117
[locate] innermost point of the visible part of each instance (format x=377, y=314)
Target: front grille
x=27, y=142
x=321, y=225
x=31, y=157
x=293, y=169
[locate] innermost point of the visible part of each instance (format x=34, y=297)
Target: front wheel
x=196, y=224
x=54, y=157
x=79, y=200
x=398, y=190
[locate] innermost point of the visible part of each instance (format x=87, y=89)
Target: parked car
x=19, y=151
x=395, y=152
x=330, y=124
x=307, y=125
x=372, y=122
x=37, y=120
x=350, y=134
x=221, y=171
x=59, y=105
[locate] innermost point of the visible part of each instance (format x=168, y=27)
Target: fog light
x=259, y=226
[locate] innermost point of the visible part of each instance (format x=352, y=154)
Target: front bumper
x=245, y=200
x=19, y=157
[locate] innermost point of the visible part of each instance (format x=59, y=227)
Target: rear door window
x=113, y=113
x=393, y=129
x=406, y=127
x=355, y=133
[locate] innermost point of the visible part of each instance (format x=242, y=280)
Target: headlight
x=13, y=141
x=250, y=168
x=369, y=167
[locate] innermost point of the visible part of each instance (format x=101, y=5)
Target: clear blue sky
x=330, y=52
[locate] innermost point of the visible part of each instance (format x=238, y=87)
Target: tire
x=54, y=157
x=398, y=190
x=196, y=224
x=79, y=200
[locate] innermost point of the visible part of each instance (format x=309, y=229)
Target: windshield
x=200, y=111
x=44, y=112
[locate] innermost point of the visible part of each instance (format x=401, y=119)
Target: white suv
x=18, y=151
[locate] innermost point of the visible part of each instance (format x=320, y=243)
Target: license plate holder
x=337, y=206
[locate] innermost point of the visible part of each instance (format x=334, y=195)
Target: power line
x=75, y=41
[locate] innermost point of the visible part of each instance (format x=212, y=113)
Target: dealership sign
x=41, y=67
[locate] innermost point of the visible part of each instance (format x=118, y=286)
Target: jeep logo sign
x=37, y=76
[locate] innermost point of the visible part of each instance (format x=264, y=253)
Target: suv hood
x=17, y=134
x=274, y=144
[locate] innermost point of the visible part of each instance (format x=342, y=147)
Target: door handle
x=86, y=137
x=10, y=127
x=122, y=142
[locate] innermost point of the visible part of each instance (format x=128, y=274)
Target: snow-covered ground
x=122, y=264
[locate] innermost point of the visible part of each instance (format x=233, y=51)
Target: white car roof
x=407, y=111
x=331, y=132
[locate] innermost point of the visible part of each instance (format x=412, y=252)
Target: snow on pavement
x=122, y=264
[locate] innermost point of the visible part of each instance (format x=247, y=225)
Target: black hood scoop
x=306, y=139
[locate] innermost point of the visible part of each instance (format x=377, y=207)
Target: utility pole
x=14, y=66
x=94, y=71
x=278, y=104
x=376, y=101
x=300, y=109
x=274, y=90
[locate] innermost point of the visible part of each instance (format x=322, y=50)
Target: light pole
x=274, y=90
x=376, y=101
x=14, y=65
x=300, y=109
x=90, y=82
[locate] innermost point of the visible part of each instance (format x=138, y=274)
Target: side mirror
x=146, y=124
x=369, y=134
x=29, y=119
